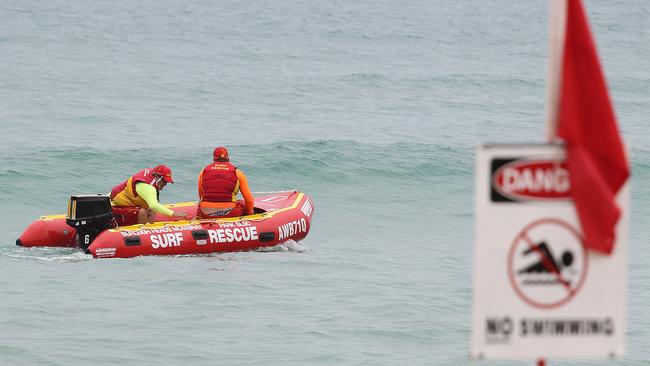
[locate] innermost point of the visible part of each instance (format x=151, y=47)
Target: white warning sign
x=538, y=292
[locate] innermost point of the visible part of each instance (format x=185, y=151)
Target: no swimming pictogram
x=547, y=263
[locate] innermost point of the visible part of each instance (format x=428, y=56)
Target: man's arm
x=148, y=193
x=246, y=192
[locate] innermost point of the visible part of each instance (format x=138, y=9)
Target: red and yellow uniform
x=125, y=194
x=218, y=186
x=137, y=192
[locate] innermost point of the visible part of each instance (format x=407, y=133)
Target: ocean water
x=373, y=108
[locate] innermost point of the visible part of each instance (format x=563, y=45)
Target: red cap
x=165, y=172
x=220, y=153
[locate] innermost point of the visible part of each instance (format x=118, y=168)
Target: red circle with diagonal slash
x=523, y=236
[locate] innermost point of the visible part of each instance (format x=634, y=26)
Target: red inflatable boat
x=279, y=217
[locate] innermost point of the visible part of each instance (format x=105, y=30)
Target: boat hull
x=48, y=231
x=286, y=216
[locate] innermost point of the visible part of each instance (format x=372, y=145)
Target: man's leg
x=144, y=216
x=125, y=216
x=151, y=216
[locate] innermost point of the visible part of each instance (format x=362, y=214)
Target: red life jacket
x=220, y=183
x=124, y=194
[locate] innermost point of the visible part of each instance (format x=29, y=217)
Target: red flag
x=596, y=160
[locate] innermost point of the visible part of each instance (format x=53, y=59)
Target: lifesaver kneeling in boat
x=135, y=201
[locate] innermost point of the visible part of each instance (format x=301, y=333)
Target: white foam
x=287, y=246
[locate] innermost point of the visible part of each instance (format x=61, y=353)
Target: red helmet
x=220, y=153
x=164, y=172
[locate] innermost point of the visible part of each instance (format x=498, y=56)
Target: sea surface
x=373, y=108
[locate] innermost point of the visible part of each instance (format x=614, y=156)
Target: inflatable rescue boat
x=278, y=217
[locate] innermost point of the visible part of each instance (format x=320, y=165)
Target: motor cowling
x=89, y=215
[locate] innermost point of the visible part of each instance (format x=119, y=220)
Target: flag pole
x=557, y=30
x=556, y=36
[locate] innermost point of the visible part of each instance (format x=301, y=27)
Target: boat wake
x=47, y=254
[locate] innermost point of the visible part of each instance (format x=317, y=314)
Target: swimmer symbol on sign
x=547, y=263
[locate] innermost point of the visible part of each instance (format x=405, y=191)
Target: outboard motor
x=89, y=215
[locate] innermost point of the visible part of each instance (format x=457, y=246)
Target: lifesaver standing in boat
x=135, y=201
x=219, y=184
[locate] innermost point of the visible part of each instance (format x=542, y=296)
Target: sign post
x=538, y=292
